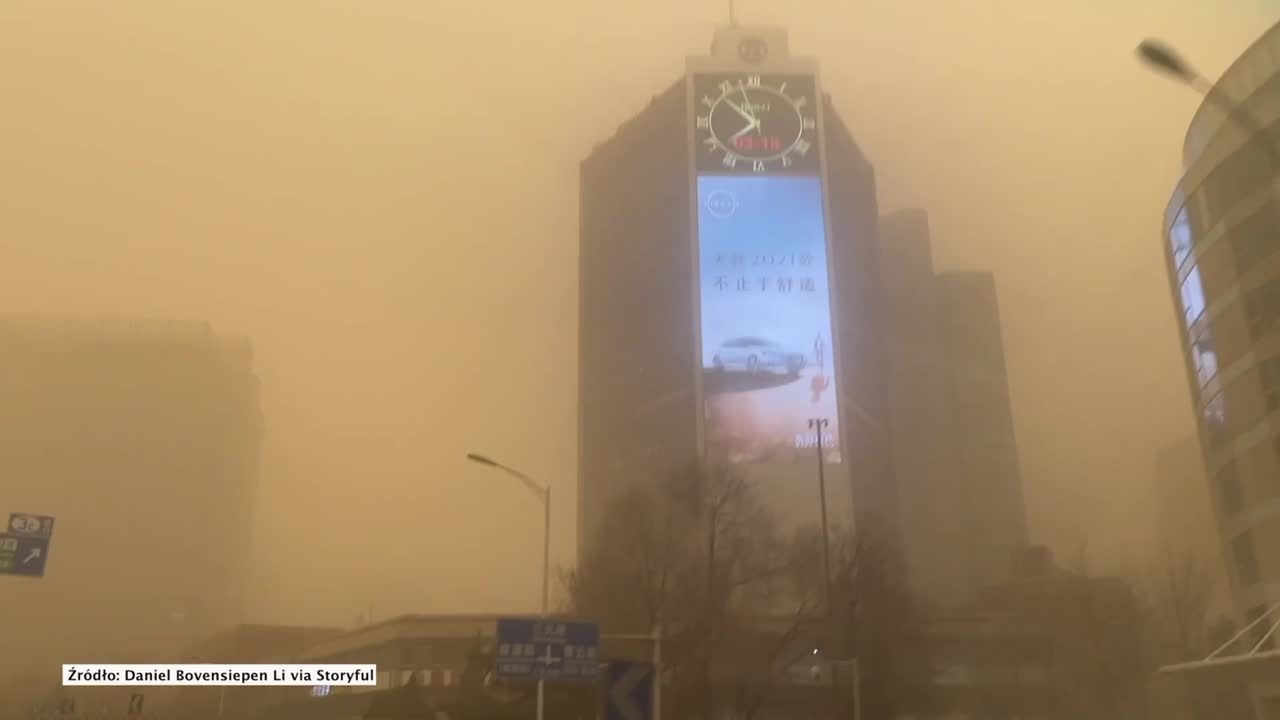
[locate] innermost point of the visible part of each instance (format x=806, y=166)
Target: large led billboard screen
x=766, y=317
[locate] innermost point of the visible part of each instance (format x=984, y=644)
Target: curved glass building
x=1222, y=241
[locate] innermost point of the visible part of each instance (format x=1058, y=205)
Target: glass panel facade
x=1215, y=420
x=1180, y=239
x=1229, y=489
x=1262, y=309
x=1250, y=167
x=1204, y=357
x=1192, y=297
x=1243, y=172
x=1256, y=239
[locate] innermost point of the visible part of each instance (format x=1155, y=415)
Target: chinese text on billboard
x=766, y=318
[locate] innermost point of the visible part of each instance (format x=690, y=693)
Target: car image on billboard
x=765, y=318
x=755, y=355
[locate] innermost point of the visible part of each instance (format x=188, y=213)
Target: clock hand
x=747, y=106
x=741, y=112
x=753, y=125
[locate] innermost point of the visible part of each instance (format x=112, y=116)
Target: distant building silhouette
x=955, y=456
x=143, y=439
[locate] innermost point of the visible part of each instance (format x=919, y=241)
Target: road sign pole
x=657, y=672
x=857, y=690
x=546, y=578
x=542, y=683
x=546, y=546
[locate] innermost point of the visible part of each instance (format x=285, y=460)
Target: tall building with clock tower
x=730, y=307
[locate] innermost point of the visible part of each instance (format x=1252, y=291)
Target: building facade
x=955, y=456
x=1222, y=242
x=1185, y=532
x=142, y=438
x=645, y=394
x=1097, y=667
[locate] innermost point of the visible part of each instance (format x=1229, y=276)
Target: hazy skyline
x=383, y=196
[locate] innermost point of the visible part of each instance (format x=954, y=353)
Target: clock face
x=749, y=123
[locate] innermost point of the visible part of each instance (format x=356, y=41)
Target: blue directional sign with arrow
x=24, y=549
x=555, y=650
x=629, y=691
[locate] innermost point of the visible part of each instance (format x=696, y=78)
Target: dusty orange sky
x=383, y=195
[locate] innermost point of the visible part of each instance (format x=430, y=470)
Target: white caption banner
x=210, y=674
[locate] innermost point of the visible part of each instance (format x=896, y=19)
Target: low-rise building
x=243, y=644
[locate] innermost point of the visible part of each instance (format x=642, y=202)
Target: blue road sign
x=30, y=525
x=23, y=555
x=557, y=650
x=628, y=691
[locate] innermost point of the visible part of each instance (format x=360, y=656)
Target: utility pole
x=818, y=425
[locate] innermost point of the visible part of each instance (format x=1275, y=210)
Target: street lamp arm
x=536, y=487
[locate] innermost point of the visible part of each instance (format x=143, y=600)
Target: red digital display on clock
x=758, y=143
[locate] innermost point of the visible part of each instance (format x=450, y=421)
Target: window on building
x=1215, y=420
x=1256, y=239
x=1180, y=238
x=1262, y=309
x=1204, y=356
x=1269, y=379
x=1193, y=301
x=1246, y=559
x=1229, y=489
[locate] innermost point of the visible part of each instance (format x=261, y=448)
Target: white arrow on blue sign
x=21, y=555
x=630, y=691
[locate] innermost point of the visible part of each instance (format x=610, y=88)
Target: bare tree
x=875, y=618
x=1099, y=625
x=740, y=604
x=1178, y=591
x=700, y=553
x=872, y=616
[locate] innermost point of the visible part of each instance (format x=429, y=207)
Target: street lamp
x=543, y=491
x=1164, y=59
x=818, y=425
